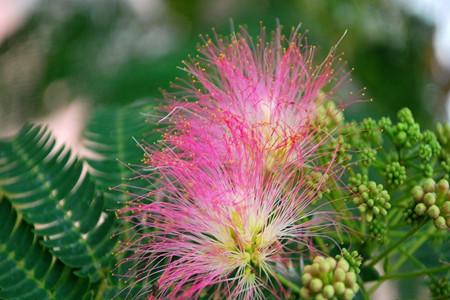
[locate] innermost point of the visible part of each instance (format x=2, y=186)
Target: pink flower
x=271, y=86
x=221, y=226
x=231, y=202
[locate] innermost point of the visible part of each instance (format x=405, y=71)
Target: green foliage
x=112, y=135
x=28, y=270
x=48, y=187
x=67, y=206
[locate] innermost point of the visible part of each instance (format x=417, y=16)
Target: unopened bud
x=417, y=193
x=440, y=222
x=429, y=185
x=443, y=185
x=328, y=291
x=316, y=285
x=433, y=211
x=429, y=199
x=420, y=209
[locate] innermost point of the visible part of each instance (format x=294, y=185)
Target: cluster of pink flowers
x=231, y=203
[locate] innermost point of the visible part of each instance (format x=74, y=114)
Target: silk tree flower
x=273, y=85
x=222, y=227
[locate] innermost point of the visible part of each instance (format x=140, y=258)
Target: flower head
x=226, y=226
x=273, y=86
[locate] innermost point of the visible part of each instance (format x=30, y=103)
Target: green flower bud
x=318, y=259
x=433, y=211
x=343, y=264
x=316, y=285
x=371, y=198
x=320, y=297
x=377, y=230
x=429, y=199
x=357, y=200
x=417, y=193
x=349, y=294
x=372, y=186
x=420, y=209
x=315, y=269
x=350, y=278
x=443, y=186
x=401, y=137
x=328, y=291
x=306, y=278
x=362, y=208
x=304, y=293
x=339, y=288
x=307, y=269
x=446, y=208
x=368, y=156
x=332, y=262
x=329, y=278
x=362, y=188
x=324, y=266
x=395, y=173
x=339, y=274
x=429, y=185
x=440, y=223
x=440, y=288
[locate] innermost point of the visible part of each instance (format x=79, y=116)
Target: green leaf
x=49, y=187
x=27, y=270
x=112, y=135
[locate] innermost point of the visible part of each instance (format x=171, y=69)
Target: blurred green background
x=55, y=53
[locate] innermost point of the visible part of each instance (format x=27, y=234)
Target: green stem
x=414, y=260
x=412, y=248
x=415, y=273
x=286, y=282
x=386, y=252
x=406, y=255
x=101, y=290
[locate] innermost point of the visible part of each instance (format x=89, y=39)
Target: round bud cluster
x=371, y=198
x=329, y=278
x=384, y=123
x=445, y=164
x=440, y=288
x=429, y=146
x=368, y=156
x=339, y=148
x=329, y=115
x=377, y=229
x=317, y=182
x=352, y=133
x=371, y=131
x=395, y=173
x=443, y=133
x=432, y=200
x=427, y=169
x=353, y=258
x=406, y=133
